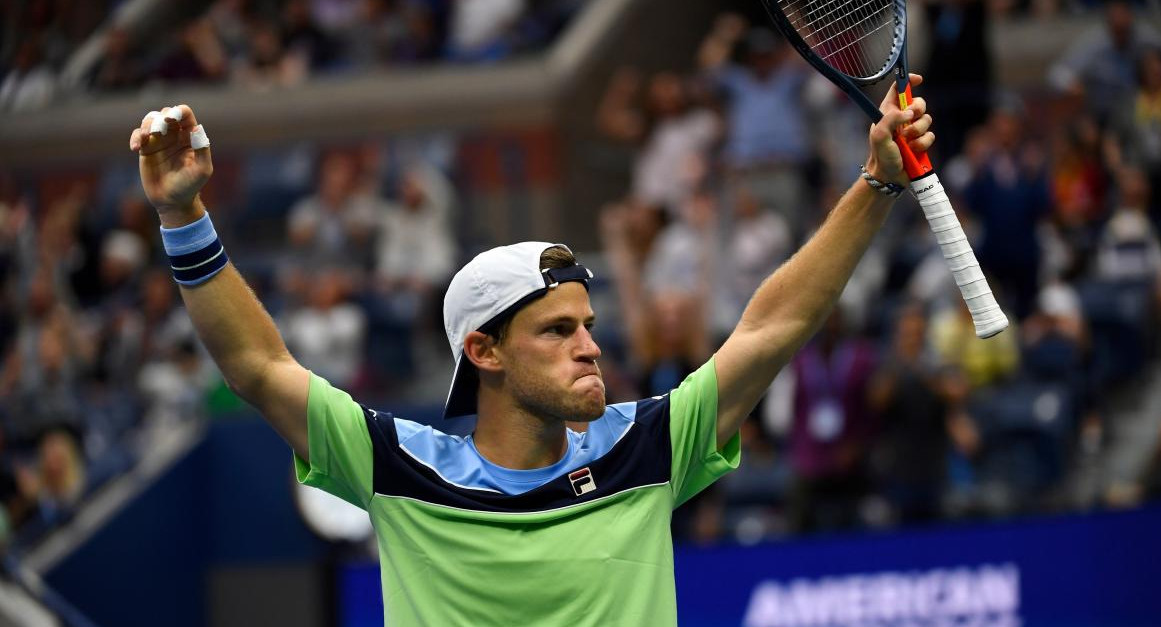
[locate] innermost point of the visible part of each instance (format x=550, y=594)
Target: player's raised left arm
x=792, y=303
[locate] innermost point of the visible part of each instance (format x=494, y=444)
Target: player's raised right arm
x=230, y=321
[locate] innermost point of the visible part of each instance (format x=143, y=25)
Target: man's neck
x=515, y=439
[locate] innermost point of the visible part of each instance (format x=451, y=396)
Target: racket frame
x=896, y=62
x=987, y=316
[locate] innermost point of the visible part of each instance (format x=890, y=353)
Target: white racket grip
x=987, y=316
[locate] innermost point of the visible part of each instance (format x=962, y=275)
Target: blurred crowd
x=99, y=354
x=257, y=44
x=894, y=414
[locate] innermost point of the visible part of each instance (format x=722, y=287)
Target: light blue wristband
x=195, y=253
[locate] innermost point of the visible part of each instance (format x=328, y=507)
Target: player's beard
x=535, y=394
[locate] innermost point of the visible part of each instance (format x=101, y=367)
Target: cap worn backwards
x=491, y=287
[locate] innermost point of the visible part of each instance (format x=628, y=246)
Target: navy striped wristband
x=195, y=252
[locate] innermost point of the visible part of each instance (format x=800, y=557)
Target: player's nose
x=587, y=348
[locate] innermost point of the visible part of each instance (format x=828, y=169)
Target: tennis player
x=524, y=522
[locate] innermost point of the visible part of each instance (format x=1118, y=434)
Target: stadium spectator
x=333, y=16
x=758, y=241
x=62, y=476
x=909, y=456
x=682, y=257
x=482, y=30
x=1135, y=137
x=1123, y=295
x=959, y=62
x=174, y=386
x=229, y=19
x=132, y=216
x=982, y=363
x=1080, y=182
x=373, y=39
x=674, y=136
x=165, y=325
x=140, y=331
x=314, y=40
x=662, y=296
x=119, y=67
x=44, y=364
x=1008, y=191
x=336, y=226
x=1057, y=350
x=12, y=502
x=16, y=238
x=415, y=256
x=543, y=21
x=1128, y=249
x=199, y=57
x=19, y=485
x=66, y=247
x=1055, y=337
x=962, y=495
x=30, y=83
x=832, y=428
x=421, y=39
x=123, y=257
x=328, y=332
x=267, y=64
x=1099, y=67
x=416, y=248
x=767, y=153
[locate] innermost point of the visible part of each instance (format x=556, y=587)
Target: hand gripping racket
x=859, y=42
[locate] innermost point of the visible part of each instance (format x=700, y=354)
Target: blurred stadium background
x=899, y=473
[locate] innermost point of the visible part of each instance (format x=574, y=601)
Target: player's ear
x=480, y=349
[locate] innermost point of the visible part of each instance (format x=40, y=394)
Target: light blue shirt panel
x=457, y=461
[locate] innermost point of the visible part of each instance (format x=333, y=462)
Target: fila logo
x=582, y=481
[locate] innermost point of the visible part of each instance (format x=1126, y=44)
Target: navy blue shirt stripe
x=642, y=456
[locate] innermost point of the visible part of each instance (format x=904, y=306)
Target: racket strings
x=855, y=37
x=848, y=25
x=856, y=27
x=818, y=32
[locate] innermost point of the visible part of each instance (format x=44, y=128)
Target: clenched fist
x=172, y=171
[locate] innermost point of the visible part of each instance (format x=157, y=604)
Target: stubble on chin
x=567, y=405
x=591, y=409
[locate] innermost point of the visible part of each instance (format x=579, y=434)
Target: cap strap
x=552, y=278
x=556, y=276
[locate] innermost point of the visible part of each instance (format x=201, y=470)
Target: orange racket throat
x=916, y=164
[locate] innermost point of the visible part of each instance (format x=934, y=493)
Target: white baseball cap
x=489, y=289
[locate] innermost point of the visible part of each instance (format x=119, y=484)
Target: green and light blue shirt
x=462, y=541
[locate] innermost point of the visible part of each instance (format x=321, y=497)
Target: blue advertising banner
x=1097, y=570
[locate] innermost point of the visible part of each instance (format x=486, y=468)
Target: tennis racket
x=860, y=42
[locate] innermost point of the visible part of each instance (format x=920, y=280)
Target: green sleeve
x=693, y=420
x=341, y=458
